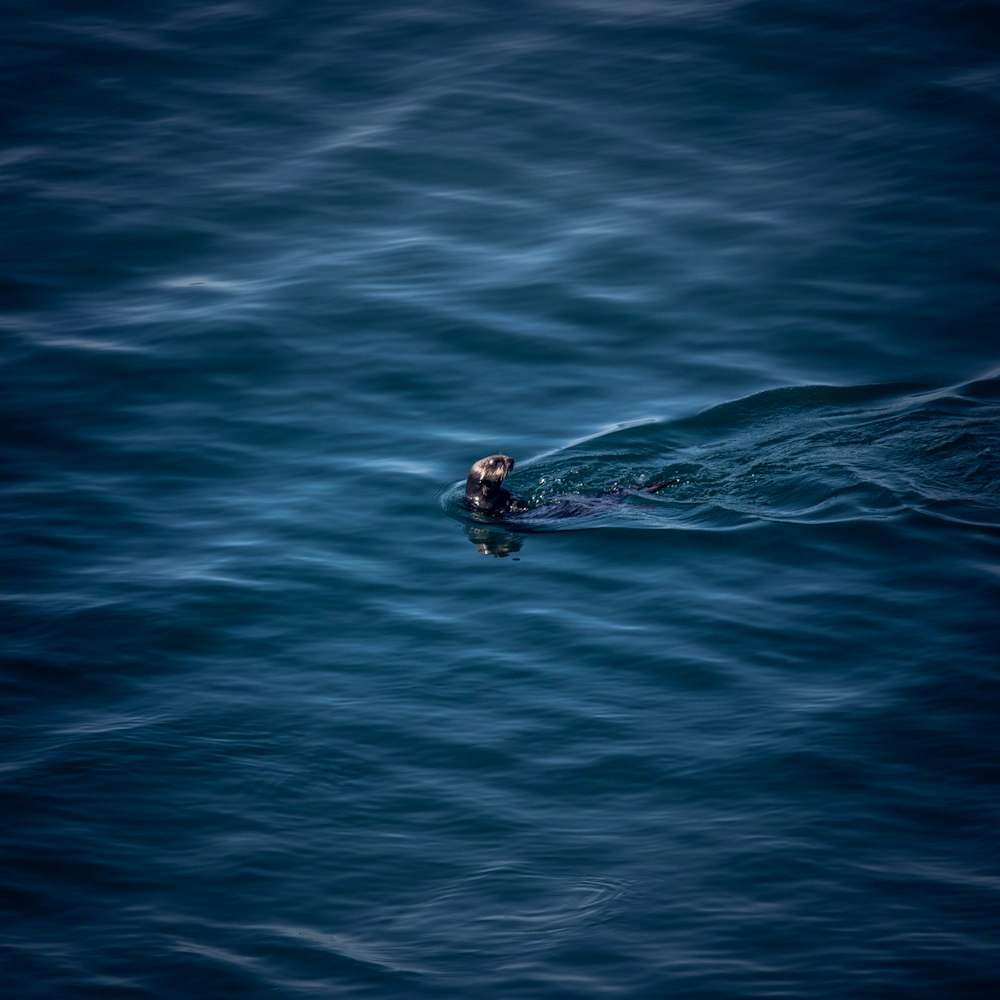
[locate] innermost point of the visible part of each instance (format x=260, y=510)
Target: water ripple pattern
x=283, y=719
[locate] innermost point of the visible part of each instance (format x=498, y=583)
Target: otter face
x=493, y=469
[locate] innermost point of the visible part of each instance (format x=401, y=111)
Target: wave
x=806, y=454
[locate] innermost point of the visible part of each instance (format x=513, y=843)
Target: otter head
x=483, y=489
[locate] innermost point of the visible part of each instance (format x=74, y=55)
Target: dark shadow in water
x=495, y=542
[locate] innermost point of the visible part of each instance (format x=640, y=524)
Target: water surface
x=283, y=718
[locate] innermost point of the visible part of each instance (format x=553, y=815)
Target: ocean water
x=282, y=718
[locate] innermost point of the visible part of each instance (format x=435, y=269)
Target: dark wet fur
x=484, y=492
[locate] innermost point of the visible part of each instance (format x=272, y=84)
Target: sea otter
x=484, y=492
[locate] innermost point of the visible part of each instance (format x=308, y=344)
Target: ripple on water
x=812, y=454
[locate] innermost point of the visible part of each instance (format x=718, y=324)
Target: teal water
x=283, y=719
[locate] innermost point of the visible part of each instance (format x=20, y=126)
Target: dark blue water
x=282, y=718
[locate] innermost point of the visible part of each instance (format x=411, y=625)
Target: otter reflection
x=493, y=541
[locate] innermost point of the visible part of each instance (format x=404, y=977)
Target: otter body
x=484, y=492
